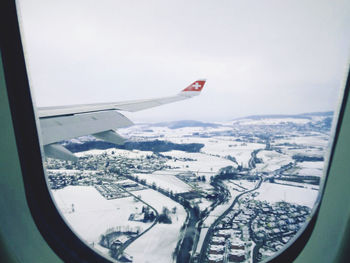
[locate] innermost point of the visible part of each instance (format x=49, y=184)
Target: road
x=129, y=241
x=202, y=256
x=187, y=243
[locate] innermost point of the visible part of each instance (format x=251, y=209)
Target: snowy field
x=166, y=180
x=240, y=151
x=312, y=152
x=271, y=121
x=243, y=152
x=158, y=244
x=271, y=161
x=276, y=193
x=309, y=168
x=307, y=141
x=220, y=146
x=93, y=214
x=242, y=185
x=203, y=162
x=225, y=146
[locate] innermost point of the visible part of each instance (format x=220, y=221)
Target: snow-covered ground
x=276, y=193
x=307, y=141
x=219, y=146
x=166, y=180
x=158, y=244
x=316, y=151
x=273, y=121
x=207, y=164
x=242, y=151
x=307, y=169
x=202, y=235
x=272, y=161
x=93, y=215
x=243, y=184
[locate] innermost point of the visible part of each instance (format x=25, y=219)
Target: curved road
x=202, y=256
x=129, y=241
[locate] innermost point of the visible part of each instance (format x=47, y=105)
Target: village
x=221, y=193
x=254, y=227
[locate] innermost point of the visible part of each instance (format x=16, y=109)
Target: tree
x=165, y=210
x=152, y=216
x=164, y=216
x=147, y=216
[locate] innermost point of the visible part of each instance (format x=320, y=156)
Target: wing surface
x=134, y=105
x=100, y=120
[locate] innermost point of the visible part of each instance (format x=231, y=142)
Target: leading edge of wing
x=136, y=105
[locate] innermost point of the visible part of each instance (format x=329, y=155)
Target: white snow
x=203, y=162
x=158, y=244
x=276, y=193
x=202, y=235
x=272, y=160
x=93, y=214
x=310, y=168
x=165, y=180
x=272, y=121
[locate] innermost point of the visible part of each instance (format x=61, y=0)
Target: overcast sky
x=259, y=57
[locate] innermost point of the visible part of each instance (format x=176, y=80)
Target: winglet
x=196, y=87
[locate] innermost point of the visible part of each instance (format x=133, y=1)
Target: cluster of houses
x=109, y=186
x=187, y=177
x=111, y=191
x=252, y=222
x=131, y=186
x=112, y=163
x=103, y=172
x=60, y=179
x=225, y=246
x=280, y=219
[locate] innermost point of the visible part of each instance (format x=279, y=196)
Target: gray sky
x=259, y=57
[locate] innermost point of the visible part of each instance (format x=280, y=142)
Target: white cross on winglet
x=196, y=85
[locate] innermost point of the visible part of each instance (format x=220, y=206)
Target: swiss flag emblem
x=196, y=86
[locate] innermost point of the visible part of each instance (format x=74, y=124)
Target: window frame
x=52, y=227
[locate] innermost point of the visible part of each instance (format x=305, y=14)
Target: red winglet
x=196, y=86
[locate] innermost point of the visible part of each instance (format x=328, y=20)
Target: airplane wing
x=100, y=120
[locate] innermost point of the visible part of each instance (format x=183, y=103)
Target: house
x=236, y=255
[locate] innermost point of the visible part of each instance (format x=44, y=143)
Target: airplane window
x=199, y=130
